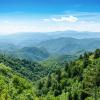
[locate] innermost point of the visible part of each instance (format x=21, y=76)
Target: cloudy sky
x=49, y=15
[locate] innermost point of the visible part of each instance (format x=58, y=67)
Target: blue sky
x=49, y=15
x=48, y=6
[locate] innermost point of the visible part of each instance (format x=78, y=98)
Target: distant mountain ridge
x=28, y=53
x=70, y=45
x=32, y=38
x=39, y=46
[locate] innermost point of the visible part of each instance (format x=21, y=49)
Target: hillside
x=30, y=70
x=56, y=62
x=70, y=45
x=13, y=86
x=38, y=47
x=31, y=53
x=25, y=39
x=78, y=80
x=32, y=38
x=28, y=53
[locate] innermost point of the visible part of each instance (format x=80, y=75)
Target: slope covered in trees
x=13, y=86
x=78, y=80
x=65, y=45
x=29, y=69
x=28, y=53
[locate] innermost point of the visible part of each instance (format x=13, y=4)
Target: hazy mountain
x=25, y=39
x=5, y=47
x=29, y=45
x=32, y=53
x=76, y=34
x=32, y=39
x=70, y=45
x=29, y=53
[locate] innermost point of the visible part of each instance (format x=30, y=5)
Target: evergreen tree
x=80, y=57
x=66, y=67
x=40, y=85
x=58, y=76
x=76, y=96
x=86, y=55
x=70, y=96
x=49, y=81
x=97, y=53
x=85, y=62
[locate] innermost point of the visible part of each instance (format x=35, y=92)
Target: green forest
x=77, y=79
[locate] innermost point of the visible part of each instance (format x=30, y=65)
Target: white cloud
x=87, y=26
x=18, y=28
x=9, y=28
x=71, y=19
x=58, y=23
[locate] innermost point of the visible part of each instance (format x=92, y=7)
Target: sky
x=18, y=16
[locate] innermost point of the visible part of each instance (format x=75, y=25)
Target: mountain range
x=40, y=46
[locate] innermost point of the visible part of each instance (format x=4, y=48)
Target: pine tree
x=66, y=67
x=70, y=96
x=48, y=84
x=97, y=53
x=75, y=96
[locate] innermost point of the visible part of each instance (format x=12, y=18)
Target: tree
x=80, y=57
x=66, y=67
x=83, y=95
x=40, y=85
x=85, y=62
x=70, y=96
x=58, y=77
x=86, y=55
x=75, y=96
x=97, y=53
x=49, y=81
x=58, y=90
x=91, y=80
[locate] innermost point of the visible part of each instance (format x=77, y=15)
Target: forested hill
x=46, y=48
x=78, y=80
x=31, y=70
x=13, y=86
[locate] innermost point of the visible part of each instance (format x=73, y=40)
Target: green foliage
x=48, y=84
x=78, y=80
x=66, y=67
x=13, y=86
x=97, y=53
x=29, y=69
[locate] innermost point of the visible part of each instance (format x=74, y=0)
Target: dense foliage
x=13, y=86
x=28, y=53
x=29, y=69
x=78, y=80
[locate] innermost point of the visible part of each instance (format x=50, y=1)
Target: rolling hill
x=31, y=39
x=13, y=86
x=70, y=45
x=28, y=53
x=26, y=80
x=39, y=46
